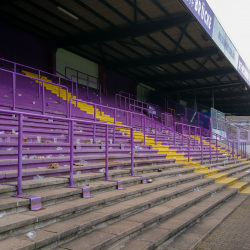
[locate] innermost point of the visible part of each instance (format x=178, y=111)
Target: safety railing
x=39, y=90
x=243, y=149
x=71, y=122
x=127, y=101
x=146, y=125
x=88, y=90
x=88, y=78
x=15, y=67
x=167, y=120
x=131, y=96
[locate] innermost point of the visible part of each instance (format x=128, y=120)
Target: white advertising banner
x=219, y=132
x=225, y=44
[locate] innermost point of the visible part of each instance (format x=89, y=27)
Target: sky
x=234, y=16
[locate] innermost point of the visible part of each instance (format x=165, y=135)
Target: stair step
x=228, y=181
x=194, y=235
x=136, y=225
x=239, y=185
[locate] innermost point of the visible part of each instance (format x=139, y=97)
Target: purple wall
x=116, y=82
x=23, y=48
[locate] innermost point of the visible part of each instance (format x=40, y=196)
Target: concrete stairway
x=138, y=217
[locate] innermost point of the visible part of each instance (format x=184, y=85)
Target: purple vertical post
x=217, y=151
x=131, y=119
x=229, y=150
x=43, y=103
x=20, y=145
x=189, y=149
x=14, y=90
x=94, y=128
x=241, y=149
x=132, y=150
x=67, y=107
x=125, y=103
x=201, y=151
x=237, y=143
x=107, y=155
x=155, y=134
x=71, y=153
x=233, y=149
x=114, y=125
x=144, y=130
x=245, y=149
x=210, y=150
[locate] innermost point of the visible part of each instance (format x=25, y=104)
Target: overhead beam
x=168, y=59
x=127, y=32
x=189, y=76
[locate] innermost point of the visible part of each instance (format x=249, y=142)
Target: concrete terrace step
x=106, y=215
x=135, y=226
x=200, y=231
x=10, y=175
x=160, y=237
x=61, y=195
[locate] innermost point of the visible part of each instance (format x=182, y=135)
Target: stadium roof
x=175, y=46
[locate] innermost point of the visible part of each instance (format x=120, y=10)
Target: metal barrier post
x=71, y=153
x=189, y=149
x=155, y=134
x=114, y=126
x=144, y=130
x=20, y=145
x=201, y=151
x=94, y=129
x=237, y=143
x=43, y=103
x=132, y=150
x=233, y=149
x=241, y=149
x=210, y=150
x=14, y=90
x=217, y=151
x=107, y=155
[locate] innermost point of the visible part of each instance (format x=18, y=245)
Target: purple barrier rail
x=88, y=81
x=71, y=121
x=40, y=73
x=129, y=95
x=243, y=149
x=78, y=71
x=155, y=126
x=14, y=74
x=166, y=118
x=128, y=101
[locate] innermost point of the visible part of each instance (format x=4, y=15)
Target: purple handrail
x=78, y=71
x=71, y=121
x=128, y=95
x=99, y=85
x=43, y=88
x=144, y=118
